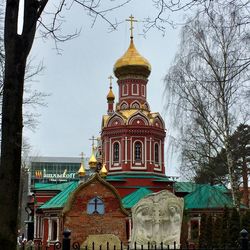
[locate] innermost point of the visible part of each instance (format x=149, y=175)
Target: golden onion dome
x=92, y=160
x=103, y=171
x=132, y=63
x=81, y=171
x=110, y=96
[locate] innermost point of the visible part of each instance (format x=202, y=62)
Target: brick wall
x=81, y=224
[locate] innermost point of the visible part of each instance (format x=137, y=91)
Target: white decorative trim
x=137, y=89
x=49, y=229
x=150, y=150
x=142, y=165
x=124, y=103
x=110, y=154
x=58, y=229
x=138, y=115
x=126, y=149
x=143, y=92
x=116, y=168
x=145, y=139
x=158, y=167
x=115, y=163
x=131, y=152
x=136, y=103
x=123, y=89
x=105, y=154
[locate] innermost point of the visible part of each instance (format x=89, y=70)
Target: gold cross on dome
x=110, y=81
x=131, y=20
x=93, y=139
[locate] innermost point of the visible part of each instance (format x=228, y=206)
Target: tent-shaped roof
x=131, y=199
x=206, y=196
x=60, y=199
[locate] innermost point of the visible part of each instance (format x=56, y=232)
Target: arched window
x=156, y=153
x=116, y=152
x=95, y=206
x=138, y=151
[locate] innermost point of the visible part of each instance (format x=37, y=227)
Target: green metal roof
x=206, y=196
x=52, y=186
x=189, y=187
x=124, y=176
x=185, y=187
x=131, y=199
x=60, y=199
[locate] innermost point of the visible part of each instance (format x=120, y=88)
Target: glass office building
x=54, y=169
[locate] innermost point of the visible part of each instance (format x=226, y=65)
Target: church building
x=132, y=136
x=126, y=166
x=131, y=155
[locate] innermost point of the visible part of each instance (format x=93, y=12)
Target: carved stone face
x=157, y=218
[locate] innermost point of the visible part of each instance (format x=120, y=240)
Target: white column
x=131, y=152
x=126, y=149
x=110, y=153
x=150, y=151
x=145, y=145
x=58, y=228
x=160, y=163
x=130, y=229
x=50, y=229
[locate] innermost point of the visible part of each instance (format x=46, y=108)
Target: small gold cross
x=131, y=20
x=110, y=80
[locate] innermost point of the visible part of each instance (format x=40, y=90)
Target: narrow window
x=138, y=151
x=156, y=153
x=54, y=230
x=116, y=152
x=95, y=206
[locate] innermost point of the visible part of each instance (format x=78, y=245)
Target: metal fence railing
x=66, y=244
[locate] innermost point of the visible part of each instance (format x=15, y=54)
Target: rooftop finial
x=82, y=155
x=93, y=139
x=131, y=20
x=92, y=160
x=110, y=81
x=81, y=171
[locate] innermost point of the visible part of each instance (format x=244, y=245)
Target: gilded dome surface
x=110, y=95
x=132, y=62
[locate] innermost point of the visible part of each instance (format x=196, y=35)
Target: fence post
x=244, y=239
x=66, y=239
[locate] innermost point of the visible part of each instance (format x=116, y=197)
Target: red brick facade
x=82, y=224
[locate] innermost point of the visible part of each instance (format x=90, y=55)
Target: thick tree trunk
x=17, y=48
x=11, y=146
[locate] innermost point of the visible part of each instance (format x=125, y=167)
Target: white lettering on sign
x=68, y=176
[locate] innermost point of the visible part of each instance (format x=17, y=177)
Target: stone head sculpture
x=157, y=218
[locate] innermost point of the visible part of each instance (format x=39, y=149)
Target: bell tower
x=132, y=136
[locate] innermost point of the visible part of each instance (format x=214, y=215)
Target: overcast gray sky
x=78, y=78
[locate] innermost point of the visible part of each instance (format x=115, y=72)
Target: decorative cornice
x=132, y=129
